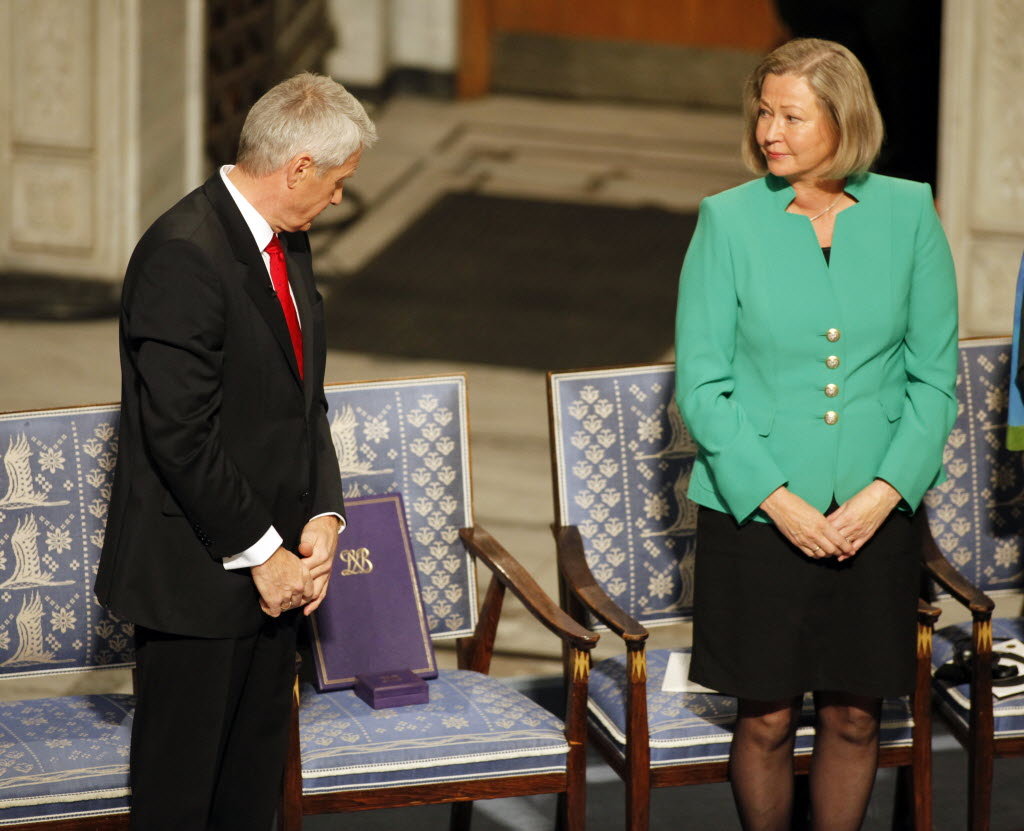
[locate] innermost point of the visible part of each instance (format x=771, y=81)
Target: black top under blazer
x=219, y=437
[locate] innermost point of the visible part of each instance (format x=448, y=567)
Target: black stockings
x=842, y=767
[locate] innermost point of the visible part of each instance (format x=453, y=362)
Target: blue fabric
x=975, y=515
x=623, y=459
x=955, y=700
x=64, y=757
x=686, y=728
x=410, y=437
x=54, y=488
x=473, y=727
x=1015, y=419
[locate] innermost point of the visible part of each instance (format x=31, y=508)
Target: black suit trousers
x=210, y=732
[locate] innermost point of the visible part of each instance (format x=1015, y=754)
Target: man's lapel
x=300, y=275
x=254, y=272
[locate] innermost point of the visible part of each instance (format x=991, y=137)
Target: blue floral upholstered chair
x=476, y=738
x=976, y=518
x=626, y=542
x=63, y=753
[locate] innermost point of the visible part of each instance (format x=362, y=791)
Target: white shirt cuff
x=257, y=553
x=340, y=518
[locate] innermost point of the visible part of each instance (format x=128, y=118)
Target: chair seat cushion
x=63, y=758
x=687, y=728
x=955, y=699
x=473, y=727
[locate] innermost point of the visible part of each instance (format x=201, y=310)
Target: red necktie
x=279, y=277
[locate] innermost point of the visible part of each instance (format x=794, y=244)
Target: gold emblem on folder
x=356, y=561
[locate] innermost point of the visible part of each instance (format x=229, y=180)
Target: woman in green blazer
x=816, y=369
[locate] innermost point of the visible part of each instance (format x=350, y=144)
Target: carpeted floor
x=518, y=282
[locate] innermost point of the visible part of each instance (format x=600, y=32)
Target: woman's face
x=793, y=130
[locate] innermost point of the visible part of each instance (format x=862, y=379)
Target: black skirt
x=771, y=623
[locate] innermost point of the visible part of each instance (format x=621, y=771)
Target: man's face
x=311, y=192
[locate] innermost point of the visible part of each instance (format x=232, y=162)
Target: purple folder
x=372, y=620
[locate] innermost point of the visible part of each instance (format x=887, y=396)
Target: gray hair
x=306, y=114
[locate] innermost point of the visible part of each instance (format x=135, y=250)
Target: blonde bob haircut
x=844, y=93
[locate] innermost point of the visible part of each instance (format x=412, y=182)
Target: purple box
x=372, y=619
x=392, y=689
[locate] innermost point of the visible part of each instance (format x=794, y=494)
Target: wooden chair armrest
x=516, y=578
x=574, y=569
x=926, y=613
x=943, y=572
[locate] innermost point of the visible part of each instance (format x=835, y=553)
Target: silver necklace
x=829, y=208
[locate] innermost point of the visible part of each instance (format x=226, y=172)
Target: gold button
x=832, y=361
x=831, y=417
x=833, y=335
x=831, y=390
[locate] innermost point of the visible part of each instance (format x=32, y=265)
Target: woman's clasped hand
x=840, y=533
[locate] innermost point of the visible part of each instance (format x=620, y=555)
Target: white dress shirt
x=261, y=550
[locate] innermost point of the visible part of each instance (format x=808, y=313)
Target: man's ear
x=297, y=168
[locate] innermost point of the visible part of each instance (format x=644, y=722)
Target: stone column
x=100, y=128
x=376, y=36
x=981, y=156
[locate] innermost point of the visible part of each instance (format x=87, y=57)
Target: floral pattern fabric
x=977, y=514
x=64, y=757
x=623, y=458
x=473, y=727
x=55, y=483
x=411, y=437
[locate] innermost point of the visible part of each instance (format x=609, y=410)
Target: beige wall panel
x=992, y=265
x=162, y=142
x=52, y=205
x=998, y=192
x=981, y=156
x=53, y=72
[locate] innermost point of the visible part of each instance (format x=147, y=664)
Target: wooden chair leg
x=800, y=819
x=638, y=750
x=903, y=804
x=572, y=810
x=638, y=797
x=979, y=785
x=916, y=779
x=462, y=816
x=981, y=729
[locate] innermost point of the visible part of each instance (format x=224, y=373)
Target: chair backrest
x=411, y=436
x=58, y=467
x=622, y=458
x=977, y=514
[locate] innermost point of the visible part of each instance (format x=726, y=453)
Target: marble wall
x=981, y=156
x=376, y=36
x=100, y=122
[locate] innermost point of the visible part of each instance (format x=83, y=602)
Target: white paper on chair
x=677, y=675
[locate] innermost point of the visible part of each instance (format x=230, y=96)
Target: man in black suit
x=227, y=500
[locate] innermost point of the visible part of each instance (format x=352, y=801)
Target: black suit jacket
x=219, y=438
